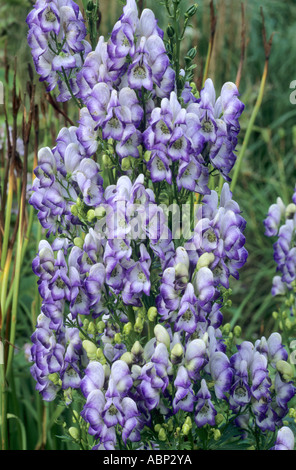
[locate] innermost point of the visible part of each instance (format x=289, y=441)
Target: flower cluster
x=281, y=222
x=63, y=174
x=57, y=40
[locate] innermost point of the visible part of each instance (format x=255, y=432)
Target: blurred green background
x=268, y=168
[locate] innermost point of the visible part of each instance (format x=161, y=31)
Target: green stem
x=250, y=127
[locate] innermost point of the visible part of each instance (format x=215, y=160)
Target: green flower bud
x=217, y=434
x=54, y=378
x=138, y=326
x=90, y=6
x=75, y=417
x=170, y=425
x=162, y=335
x=78, y=242
x=126, y=164
x=181, y=272
x=100, y=356
x=285, y=369
x=100, y=212
x=137, y=349
x=90, y=348
x=91, y=329
x=290, y=211
x=157, y=427
x=90, y=215
x=74, y=210
x=162, y=435
x=177, y=353
x=192, y=53
x=219, y=419
x=127, y=357
x=79, y=203
x=186, y=429
x=205, y=260
x=107, y=162
x=101, y=326
x=68, y=396
x=152, y=313
x=170, y=31
x=147, y=155
x=74, y=433
x=237, y=331
x=191, y=10
x=117, y=338
x=127, y=328
x=226, y=328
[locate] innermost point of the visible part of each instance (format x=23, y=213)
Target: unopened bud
x=285, y=369
x=91, y=329
x=191, y=10
x=90, y=215
x=237, y=331
x=100, y=212
x=107, y=162
x=74, y=210
x=138, y=326
x=170, y=31
x=162, y=435
x=186, y=429
x=90, y=348
x=137, y=349
x=54, y=378
x=101, y=326
x=219, y=419
x=74, y=433
x=100, y=356
x=217, y=434
x=78, y=242
x=127, y=328
x=290, y=211
x=117, y=338
x=127, y=357
x=152, y=313
x=162, y=335
x=147, y=155
x=126, y=164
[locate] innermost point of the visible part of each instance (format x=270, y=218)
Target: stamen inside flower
x=50, y=16
x=60, y=283
x=140, y=72
x=112, y=410
x=141, y=276
x=187, y=315
x=114, y=123
x=164, y=128
x=159, y=164
x=207, y=126
x=178, y=144
x=210, y=235
x=204, y=410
